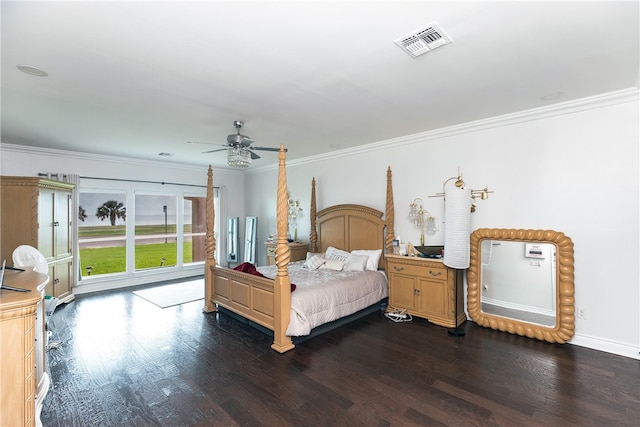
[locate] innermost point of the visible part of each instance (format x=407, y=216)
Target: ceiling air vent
x=423, y=40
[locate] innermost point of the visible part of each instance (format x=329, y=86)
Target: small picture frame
x=403, y=249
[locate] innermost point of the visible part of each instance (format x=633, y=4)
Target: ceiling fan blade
x=213, y=151
x=268, y=149
x=254, y=156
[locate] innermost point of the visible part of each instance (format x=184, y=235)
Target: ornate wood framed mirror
x=522, y=282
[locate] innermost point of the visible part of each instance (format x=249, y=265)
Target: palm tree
x=82, y=213
x=112, y=210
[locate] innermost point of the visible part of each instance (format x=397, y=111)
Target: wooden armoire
x=37, y=212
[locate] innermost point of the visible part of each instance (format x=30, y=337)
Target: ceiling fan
x=241, y=143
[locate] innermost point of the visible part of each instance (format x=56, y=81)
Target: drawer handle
x=396, y=268
x=439, y=273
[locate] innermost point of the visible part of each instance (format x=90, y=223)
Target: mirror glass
x=518, y=280
x=521, y=281
x=251, y=225
x=232, y=240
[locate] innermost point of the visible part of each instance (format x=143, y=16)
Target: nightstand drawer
x=435, y=272
x=297, y=252
x=271, y=250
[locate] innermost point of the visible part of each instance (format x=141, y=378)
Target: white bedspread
x=322, y=296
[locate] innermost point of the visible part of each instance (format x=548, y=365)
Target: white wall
x=571, y=168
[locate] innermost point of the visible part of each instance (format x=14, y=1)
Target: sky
x=149, y=208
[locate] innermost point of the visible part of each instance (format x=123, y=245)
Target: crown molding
x=124, y=161
x=555, y=110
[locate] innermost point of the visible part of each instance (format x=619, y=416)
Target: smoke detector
x=423, y=40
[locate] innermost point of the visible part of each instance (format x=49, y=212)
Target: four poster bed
x=343, y=235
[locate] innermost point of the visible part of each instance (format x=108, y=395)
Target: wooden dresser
x=298, y=252
x=37, y=212
x=426, y=288
x=24, y=381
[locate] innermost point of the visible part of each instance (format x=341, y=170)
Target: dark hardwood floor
x=125, y=362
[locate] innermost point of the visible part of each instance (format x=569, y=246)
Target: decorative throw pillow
x=333, y=264
x=374, y=257
x=314, y=262
x=356, y=263
x=336, y=254
x=310, y=254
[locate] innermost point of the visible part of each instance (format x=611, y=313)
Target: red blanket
x=247, y=267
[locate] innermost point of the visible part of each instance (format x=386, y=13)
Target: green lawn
x=113, y=259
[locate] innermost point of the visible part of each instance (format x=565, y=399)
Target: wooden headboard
x=350, y=226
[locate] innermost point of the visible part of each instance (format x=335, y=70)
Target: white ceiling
x=139, y=78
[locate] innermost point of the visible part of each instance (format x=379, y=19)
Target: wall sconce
x=417, y=216
x=459, y=183
x=295, y=212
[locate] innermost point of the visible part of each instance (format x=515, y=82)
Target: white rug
x=169, y=295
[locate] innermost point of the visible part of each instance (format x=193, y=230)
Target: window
x=102, y=233
x=140, y=228
x=156, y=238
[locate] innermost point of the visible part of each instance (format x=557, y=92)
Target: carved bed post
x=282, y=285
x=313, y=235
x=389, y=214
x=210, y=243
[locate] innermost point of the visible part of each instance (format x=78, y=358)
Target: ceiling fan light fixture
x=240, y=151
x=238, y=157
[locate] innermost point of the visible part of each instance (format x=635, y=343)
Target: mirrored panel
x=521, y=281
x=232, y=240
x=250, y=232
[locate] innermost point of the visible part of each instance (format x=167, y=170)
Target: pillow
x=336, y=254
x=356, y=263
x=333, y=264
x=374, y=257
x=310, y=254
x=314, y=262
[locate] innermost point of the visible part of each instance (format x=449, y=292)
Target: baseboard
x=109, y=282
x=599, y=344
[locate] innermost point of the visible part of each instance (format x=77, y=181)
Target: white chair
x=28, y=256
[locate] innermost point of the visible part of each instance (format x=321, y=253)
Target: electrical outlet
x=582, y=313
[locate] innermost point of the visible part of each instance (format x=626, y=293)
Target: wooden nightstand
x=425, y=287
x=298, y=252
